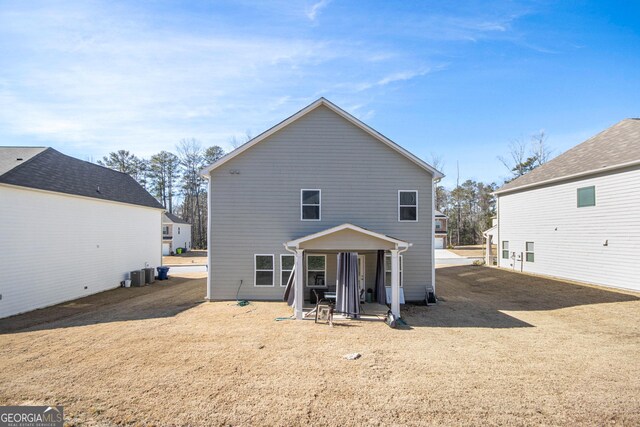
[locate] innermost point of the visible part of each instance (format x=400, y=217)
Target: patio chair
x=324, y=307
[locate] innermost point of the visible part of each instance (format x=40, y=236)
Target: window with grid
x=529, y=256
x=408, y=206
x=263, y=270
x=505, y=250
x=310, y=205
x=387, y=269
x=286, y=267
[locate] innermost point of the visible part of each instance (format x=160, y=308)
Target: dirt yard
x=471, y=251
x=193, y=257
x=499, y=349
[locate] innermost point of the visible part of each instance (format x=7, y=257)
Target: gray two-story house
x=317, y=184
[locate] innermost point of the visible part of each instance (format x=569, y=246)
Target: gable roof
x=169, y=217
x=615, y=147
x=439, y=214
x=326, y=103
x=347, y=226
x=51, y=170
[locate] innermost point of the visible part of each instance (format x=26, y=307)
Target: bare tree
x=237, y=142
x=539, y=148
x=517, y=157
x=524, y=157
x=191, y=158
x=440, y=193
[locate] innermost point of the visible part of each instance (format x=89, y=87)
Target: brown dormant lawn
x=193, y=257
x=500, y=349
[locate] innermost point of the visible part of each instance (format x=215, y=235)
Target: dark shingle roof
x=174, y=218
x=615, y=146
x=53, y=171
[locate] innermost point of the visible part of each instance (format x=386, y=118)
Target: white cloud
x=401, y=76
x=312, y=13
x=103, y=77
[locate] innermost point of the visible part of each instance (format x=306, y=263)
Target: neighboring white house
x=577, y=216
x=176, y=233
x=69, y=228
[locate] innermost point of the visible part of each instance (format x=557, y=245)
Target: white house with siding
x=318, y=184
x=69, y=228
x=176, y=233
x=578, y=216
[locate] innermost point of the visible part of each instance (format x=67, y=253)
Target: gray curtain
x=381, y=293
x=347, y=298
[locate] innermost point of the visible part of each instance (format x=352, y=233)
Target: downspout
x=433, y=238
x=209, y=231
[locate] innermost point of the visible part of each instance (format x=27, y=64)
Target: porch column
x=299, y=280
x=395, y=282
x=487, y=251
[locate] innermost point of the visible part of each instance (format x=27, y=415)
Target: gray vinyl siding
x=258, y=209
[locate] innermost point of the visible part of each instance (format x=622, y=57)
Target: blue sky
x=456, y=79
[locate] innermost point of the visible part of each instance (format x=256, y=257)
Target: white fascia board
x=296, y=243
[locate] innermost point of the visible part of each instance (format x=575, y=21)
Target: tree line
x=470, y=206
x=174, y=180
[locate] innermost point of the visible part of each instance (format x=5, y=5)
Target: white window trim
x=255, y=271
x=502, y=249
x=526, y=252
x=400, y=268
x=399, y=206
x=306, y=275
x=319, y=204
x=282, y=270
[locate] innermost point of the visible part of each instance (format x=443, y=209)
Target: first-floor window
x=529, y=252
x=505, y=250
x=286, y=267
x=316, y=269
x=263, y=270
x=387, y=269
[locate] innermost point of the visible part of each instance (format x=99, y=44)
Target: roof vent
x=97, y=188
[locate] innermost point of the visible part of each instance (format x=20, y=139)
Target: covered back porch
x=317, y=257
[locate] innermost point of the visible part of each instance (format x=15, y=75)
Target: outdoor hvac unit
x=137, y=277
x=149, y=275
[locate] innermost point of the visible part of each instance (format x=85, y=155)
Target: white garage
x=439, y=243
x=166, y=249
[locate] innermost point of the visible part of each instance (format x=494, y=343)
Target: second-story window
x=165, y=230
x=407, y=206
x=310, y=205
